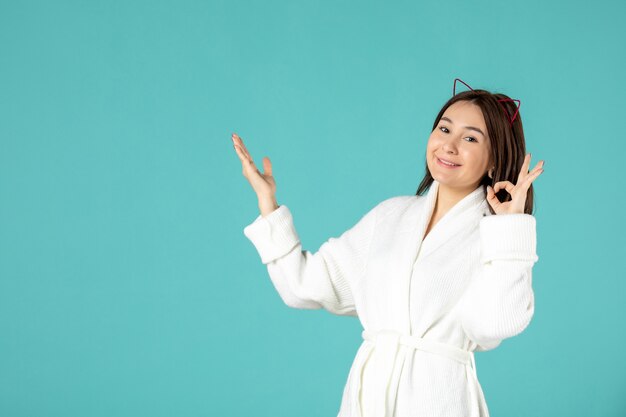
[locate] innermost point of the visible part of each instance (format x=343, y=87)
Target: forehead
x=464, y=113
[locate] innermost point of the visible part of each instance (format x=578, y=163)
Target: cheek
x=479, y=159
x=433, y=142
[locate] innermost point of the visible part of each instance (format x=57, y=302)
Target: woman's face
x=455, y=140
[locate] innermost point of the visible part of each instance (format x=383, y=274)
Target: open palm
x=262, y=183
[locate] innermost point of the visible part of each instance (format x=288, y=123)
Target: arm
x=499, y=302
x=307, y=280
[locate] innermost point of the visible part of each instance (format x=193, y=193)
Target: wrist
x=267, y=205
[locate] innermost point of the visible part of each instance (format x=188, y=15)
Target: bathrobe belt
x=382, y=382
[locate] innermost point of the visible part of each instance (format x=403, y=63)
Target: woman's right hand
x=263, y=183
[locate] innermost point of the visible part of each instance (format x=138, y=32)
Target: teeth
x=454, y=165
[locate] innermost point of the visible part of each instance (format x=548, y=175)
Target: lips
x=445, y=160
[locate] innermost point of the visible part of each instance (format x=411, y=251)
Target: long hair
x=508, y=147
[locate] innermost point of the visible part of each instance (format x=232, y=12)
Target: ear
x=490, y=172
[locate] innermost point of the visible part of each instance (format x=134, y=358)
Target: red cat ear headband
x=508, y=116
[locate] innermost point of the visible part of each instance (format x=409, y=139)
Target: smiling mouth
x=450, y=165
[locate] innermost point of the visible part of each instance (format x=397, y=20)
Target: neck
x=448, y=196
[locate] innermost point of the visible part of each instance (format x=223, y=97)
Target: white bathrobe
x=425, y=304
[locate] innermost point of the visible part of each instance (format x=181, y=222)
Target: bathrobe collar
x=463, y=215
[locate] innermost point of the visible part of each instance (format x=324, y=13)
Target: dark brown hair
x=508, y=147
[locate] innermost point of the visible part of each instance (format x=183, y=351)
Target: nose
x=449, y=146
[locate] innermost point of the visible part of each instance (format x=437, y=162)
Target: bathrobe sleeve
x=307, y=280
x=499, y=302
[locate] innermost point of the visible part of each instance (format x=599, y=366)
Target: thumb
x=267, y=166
x=491, y=197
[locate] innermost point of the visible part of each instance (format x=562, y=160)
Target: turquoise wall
x=127, y=287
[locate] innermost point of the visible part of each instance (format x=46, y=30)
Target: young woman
x=432, y=277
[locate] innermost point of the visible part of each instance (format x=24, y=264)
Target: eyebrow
x=467, y=127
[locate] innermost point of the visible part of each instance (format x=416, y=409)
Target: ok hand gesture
x=518, y=191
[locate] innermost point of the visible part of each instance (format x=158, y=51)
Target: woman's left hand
x=518, y=191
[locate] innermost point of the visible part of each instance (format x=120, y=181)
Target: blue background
x=127, y=287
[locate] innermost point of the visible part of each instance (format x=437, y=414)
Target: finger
x=525, y=185
x=537, y=169
x=492, y=199
x=524, y=169
x=235, y=138
x=539, y=165
x=245, y=158
x=532, y=177
x=237, y=141
x=507, y=185
x=240, y=153
x=267, y=166
x=242, y=145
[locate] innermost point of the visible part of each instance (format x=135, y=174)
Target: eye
x=471, y=137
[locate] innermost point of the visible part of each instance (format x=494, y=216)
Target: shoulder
x=395, y=204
